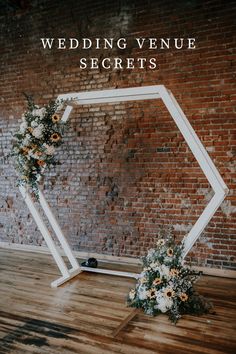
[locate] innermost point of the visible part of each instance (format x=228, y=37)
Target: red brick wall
x=126, y=170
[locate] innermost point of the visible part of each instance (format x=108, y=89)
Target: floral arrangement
x=34, y=144
x=166, y=285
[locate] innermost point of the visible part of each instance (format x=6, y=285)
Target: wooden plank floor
x=81, y=316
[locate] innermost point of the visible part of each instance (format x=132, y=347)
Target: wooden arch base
x=118, y=95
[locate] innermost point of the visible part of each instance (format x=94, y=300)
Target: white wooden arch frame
x=118, y=95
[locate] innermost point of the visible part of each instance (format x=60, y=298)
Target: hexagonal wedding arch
x=117, y=95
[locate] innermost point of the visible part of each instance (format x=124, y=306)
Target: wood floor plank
x=83, y=315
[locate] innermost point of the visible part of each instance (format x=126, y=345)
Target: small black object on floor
x=91, y=262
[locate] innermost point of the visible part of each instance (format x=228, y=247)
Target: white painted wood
x=111, y=272
x=56, y=228
x=116, y=99
x=66, y=273
x=193, y=141
x=66, y=113
x=44, y=231
x=200, y=146
x=65, y=278
x=202, y=222
x=191, y=138
x=112, y=95
x=75, y=272
x=204, y=161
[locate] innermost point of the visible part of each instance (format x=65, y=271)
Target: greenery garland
x=34, y=146
x=166, y=285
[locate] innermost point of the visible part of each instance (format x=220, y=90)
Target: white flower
x=163, y=303
x=60, y=105
x=38, y=131
x=30, y=153
x=39, y=112
x=132, y=294
x=154, y=265
x=151, y=252
x=142, y=280
x=50, y=150
x=23, y=127
x=142, y=292
x=26, y=140
x=164, y=271
x=34, y=124
x=167, y=259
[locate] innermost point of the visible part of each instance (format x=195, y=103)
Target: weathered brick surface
x=125, y=168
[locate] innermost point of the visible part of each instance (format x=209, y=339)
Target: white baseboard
x=227, y=273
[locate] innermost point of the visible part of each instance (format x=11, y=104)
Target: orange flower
x=157, y=281
x=169, y=292
x=132, y=294
x=160, y=242
x=25, y=150
x=183, y=297
x=55, y=118
x=152, y=293
x=30, y=129
x=55, y=137
x=40, y=162
x=170, y=252
x=174, y=272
